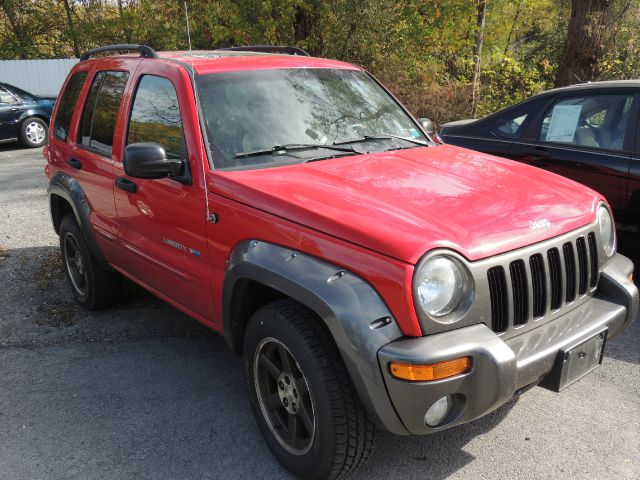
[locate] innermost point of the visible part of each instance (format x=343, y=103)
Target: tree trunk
x=513, y=27
x=583, y=48
x=72, y=29
x=477, y=54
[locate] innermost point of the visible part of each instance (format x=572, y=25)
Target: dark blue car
x=24, y=116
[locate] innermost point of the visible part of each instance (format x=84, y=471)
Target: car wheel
x=301, y=394
x=93, y=285
x=33, y=132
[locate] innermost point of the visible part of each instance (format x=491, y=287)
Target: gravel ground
x=142, y=391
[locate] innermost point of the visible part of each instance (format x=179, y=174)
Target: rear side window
x=101, y=110
x=155, y=116
x=511, y=126
x=67, y=104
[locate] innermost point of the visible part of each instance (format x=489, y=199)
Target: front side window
x=67, y=104
x=248, y=112
x=155, y=116
x=6, y=98
x=101, y=110
x=598, y=121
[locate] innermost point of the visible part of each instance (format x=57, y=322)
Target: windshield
x=281, y=116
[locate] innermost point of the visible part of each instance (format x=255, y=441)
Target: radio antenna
x=211, y=217
x=186, y=14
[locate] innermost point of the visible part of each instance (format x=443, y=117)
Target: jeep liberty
x=369, y=278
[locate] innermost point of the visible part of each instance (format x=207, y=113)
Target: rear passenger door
x=585, y=137
x=162, y=221
x=90, y=156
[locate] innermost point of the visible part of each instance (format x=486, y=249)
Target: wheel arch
x=45, y=117
x=356, y=317
x=66, y=196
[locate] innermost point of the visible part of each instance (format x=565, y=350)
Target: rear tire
x=337, y=435
x=93, y=285
x=33, y=132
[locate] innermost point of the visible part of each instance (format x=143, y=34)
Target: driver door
x=162, y=221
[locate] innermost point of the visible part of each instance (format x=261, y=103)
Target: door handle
x=126, y=185
x=15, y=109
x=75, y=163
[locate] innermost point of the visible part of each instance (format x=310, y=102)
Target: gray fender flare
x=68, y=188
x=352, y=310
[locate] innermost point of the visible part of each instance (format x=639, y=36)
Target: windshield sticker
x=414, y=133
x=564, y=121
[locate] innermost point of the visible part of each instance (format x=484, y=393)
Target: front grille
x=542, y=283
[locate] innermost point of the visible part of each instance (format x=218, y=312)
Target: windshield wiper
x=289, y=147
x=385, y=136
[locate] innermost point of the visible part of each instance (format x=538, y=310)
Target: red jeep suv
x=369, y=277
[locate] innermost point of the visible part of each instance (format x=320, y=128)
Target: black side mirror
x=427, y=126
x=149, y=160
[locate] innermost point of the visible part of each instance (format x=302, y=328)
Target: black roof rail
x=269, y=49
x=146, y=52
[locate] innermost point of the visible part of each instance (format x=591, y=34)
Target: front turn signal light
x=631, y=277
x=432, y=371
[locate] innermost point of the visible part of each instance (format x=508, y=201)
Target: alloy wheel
x=35, y=132
x=284, y=396
x=75, y=264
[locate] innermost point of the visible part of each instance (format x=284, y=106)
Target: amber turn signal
x=631, y=277
x=430, y=372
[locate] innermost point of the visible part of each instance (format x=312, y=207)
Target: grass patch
x=49, y=271
x=57, y=315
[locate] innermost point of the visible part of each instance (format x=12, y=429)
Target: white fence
x=42, y=77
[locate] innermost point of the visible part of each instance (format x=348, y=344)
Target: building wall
x=41, y=77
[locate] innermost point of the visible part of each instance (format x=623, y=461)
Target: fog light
x=439, y=411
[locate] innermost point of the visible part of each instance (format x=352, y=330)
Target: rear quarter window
x=67, y=104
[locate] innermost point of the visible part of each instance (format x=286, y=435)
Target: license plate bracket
x=575, y=361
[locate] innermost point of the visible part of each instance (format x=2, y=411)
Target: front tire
x=93, y=285
x=33, y=132
x=301, y=394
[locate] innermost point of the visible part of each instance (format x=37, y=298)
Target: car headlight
x=440, y=285
x=607, y=230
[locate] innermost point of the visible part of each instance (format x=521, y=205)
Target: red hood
x=405, y=202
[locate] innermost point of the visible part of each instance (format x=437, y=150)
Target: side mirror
x=149, y=160
x=427, y=125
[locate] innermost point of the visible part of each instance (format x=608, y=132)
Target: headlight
x=607, y=230
x=440, y=285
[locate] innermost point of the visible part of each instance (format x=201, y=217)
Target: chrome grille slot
x=538, y=278
x=555, y=275
x=499, y=300
x=569, y=271
x=593, y=255
x=582, y=266
x=520, y=292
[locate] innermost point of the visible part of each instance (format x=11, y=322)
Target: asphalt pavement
x=140, y=391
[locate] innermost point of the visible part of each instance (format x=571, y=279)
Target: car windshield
x=261, y=118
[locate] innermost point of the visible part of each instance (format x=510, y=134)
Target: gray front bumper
x=501, y=368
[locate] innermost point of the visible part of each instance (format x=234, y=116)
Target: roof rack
x=269, y=49
x=145, y=51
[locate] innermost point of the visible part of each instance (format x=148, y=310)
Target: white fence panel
x=42, y=77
